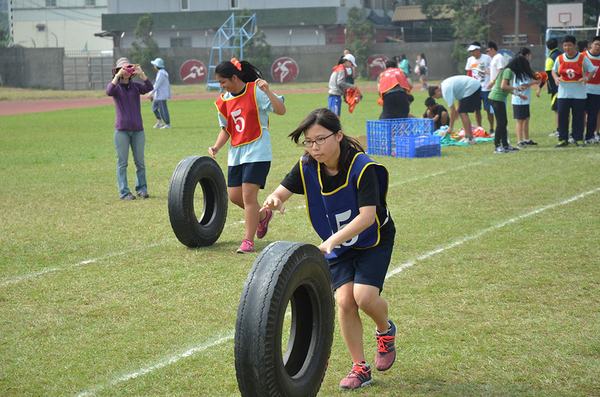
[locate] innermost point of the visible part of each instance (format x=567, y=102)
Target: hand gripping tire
x=285, y=272
x=190, y=229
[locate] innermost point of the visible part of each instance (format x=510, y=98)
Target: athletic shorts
x=484, y=98
x=521, y=112
x=335, y=104
x=361, y=266
x=471, y=103
x=255, y=173
x=554, y=102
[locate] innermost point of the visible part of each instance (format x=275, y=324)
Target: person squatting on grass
x=520, y=69
x=160, y=94
x=129, y=127
x=468, y=92
x=338, y=84
x=437, y=112
x=243, y=113
x=521, y=111
x=393, y=87
x=346, y=199
x=569, y=75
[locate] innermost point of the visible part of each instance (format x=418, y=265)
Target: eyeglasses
x=318, y=141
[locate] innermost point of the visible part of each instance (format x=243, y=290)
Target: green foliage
x=147, y=50
x=4, y=29
x=469, y=26
x=258, y=52
x=360, y=35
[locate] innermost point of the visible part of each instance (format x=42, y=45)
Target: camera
x=128, y=70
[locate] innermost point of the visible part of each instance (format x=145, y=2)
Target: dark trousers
x=395, y=106
x=500, y=136
x=592, y=106
x=576, y=107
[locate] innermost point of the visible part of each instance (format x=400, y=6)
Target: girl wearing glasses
x=346, y=199
x=244, y=116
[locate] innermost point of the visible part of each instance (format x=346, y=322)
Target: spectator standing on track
x=478, y=66
x=569, y=73
x=422, y=63
x=467, y=91
x=243, y=113
x=346, y=199
x=129, y=127
x=160, y=94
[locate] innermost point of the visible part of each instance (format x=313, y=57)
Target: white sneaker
x=555, y=133
x=158, y=125
x=166, y=127
x=471, y=141
x=464, y=140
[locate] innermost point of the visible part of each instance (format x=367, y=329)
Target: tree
x=469, y=26
x=257, y=51
x=148, y=49
x=4, y=33
x=360, y=35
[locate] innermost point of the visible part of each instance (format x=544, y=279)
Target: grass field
x=494, y=283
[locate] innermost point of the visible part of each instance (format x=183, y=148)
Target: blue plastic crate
x=381, y=134
x=418, y=146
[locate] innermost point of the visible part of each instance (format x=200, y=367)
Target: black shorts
x=554, y=102
x=470, y=103
x=361, y=266
x=521, y=112
x=255, y=173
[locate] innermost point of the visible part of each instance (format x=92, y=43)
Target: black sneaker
x=500, y=150
x=128, y=196
x=562, y=144
x=521, y=145
x=529, y=142
x=509, y=148
x=143, y=195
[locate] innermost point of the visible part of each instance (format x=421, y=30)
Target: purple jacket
x=127, y=104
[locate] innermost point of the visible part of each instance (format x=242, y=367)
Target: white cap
x=473, y=47
x=350, y=58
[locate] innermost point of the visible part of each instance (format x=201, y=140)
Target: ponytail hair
x=330, y=121
x=247, y=74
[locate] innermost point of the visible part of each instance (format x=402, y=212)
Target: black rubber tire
x=285, y=272
x=191, y=230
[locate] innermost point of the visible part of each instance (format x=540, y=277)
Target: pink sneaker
x=263, y=226
x=386, y=349
x=246, y=247
x=360, y=376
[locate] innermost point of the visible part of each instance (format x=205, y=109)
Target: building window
x=181, y=41
x=185, y=5
x=342, y=3
x=510, y=38
x=50, y=3
x=90, y=3
x=234, y=3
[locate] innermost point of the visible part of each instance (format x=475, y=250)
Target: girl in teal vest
x=345, y=195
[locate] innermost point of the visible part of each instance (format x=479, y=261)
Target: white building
x=70, y=24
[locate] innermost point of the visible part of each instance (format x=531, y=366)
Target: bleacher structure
x=233, y=35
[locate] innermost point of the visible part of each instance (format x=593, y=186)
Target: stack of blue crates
x=407, y=138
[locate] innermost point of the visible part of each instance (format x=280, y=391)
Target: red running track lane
x=24, y=107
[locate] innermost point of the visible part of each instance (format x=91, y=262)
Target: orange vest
x=570, y=70
x=241, y=112
x=596, y=61
x=390, y=78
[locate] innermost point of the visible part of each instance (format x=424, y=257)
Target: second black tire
x=191, y=229
x=283, y=273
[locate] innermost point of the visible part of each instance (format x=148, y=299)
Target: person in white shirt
x=497, y=63
x=478, y=66
x=160, y=94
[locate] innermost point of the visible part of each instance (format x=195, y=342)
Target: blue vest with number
x=330, y=212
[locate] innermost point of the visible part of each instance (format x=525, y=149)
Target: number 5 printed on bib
x=240, y=123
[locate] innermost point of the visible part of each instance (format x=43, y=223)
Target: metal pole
x=517, y=21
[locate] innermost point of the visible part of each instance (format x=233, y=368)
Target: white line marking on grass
x=171, y=360
x=392, y=273
x=489, y=229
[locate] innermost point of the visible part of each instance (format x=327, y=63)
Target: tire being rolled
x=189, y=228
x=283, y=273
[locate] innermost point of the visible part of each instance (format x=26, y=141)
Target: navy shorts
x=255, y=173
x=470, y=103
x=521, y=112
x=484, y=98
x=335, y=104
x=554, y=102
x=361, y=266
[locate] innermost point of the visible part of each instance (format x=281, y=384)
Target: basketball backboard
x=565, y=15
